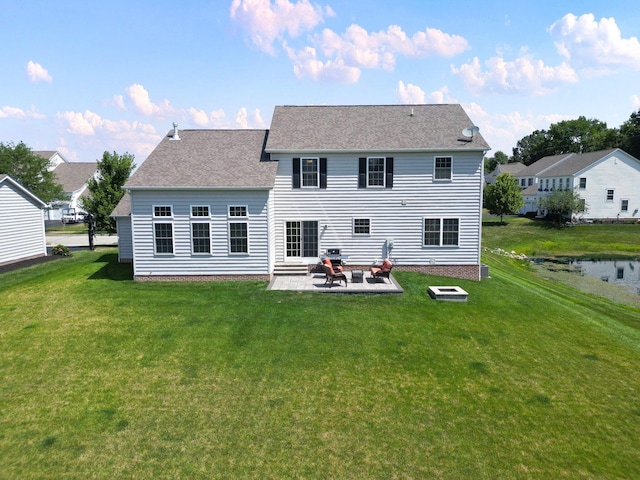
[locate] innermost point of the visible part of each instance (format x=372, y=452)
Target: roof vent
x=175, y=135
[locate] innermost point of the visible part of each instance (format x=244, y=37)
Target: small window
x=199, y=210
x=238, y=237
x=553, y=184
x=201, y=237
x=163, y=237
x=610, y=192
x=309, y=167
x=523, y=182
x=583, y=183
x=162, y=211
x=560, y=185
x=361, y=226
x=442, y=168
x=237, y=210
x=620, y=273
x=624, y=205
x=530, y=181
x=546, y=184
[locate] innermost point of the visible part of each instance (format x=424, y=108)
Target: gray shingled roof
x=538, y=166
x=208, y=159
x=123, y=209
x=73, y=175
x=45, y=153
x=576, y=162
x=361, y=128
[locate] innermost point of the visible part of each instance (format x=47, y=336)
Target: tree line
x=580, y=135
x=32, y=172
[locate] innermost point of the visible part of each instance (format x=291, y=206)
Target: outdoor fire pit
x=448, y=294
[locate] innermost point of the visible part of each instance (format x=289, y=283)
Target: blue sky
x=84, y=77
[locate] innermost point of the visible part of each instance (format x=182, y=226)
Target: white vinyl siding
x=397, y=213
x=21, y=224
x=184, y=261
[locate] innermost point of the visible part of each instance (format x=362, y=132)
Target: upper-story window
x=237, y=210
x=583, y=183
x=610, y=193
x=309, y=172
x=162, y=211
x=442, y=168
x=375, y=172
x=199, y=210
x=624, y=205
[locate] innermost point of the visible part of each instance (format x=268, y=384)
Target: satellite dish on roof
x=470, y=132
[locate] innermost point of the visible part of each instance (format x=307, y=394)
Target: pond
x=625, y=273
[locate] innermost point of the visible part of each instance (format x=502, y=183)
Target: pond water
x=625, y=273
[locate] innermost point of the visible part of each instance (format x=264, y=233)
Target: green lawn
x=106, y=378
x=539, y=238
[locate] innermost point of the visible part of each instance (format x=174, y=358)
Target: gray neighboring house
x=22, y=234
x=73, y=176
x=513, y=168
x=378, y=181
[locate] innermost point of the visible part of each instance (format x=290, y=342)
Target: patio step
x=290, y=269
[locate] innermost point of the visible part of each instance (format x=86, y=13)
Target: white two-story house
x=382, y=181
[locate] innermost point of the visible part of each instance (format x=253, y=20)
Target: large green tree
x=499, y=158
x=569, y=136
x=562, y=203
x=630, y=135
x=106, y=190
x=31, y=171
x=504, y=196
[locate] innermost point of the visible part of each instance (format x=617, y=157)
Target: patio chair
x=381, y=271
x=332, y=276
x=327, y=261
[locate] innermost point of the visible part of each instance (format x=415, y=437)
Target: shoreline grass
x=103, y=377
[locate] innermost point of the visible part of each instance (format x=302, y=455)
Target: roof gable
x=6, y=179
x=208, y=159
x=371, y=128
x=74, y=175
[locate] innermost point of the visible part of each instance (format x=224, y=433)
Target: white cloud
x=410, y=93
x=12, y=112
x=635, y=102
x=524, y=75
x=596, y=47
x=441, y=96
x=37, y=73
x=141, y=101
x=100, y=134
x=307, y=65
x=266, y=21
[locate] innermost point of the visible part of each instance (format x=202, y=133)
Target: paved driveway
x=81, y=240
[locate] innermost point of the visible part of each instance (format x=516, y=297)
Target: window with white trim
x=238, y=211
x=200, y=210
x=610, y=193
x=375, y=171
x=238, y=237
x=624, y=205
x=361, y=226
x=309, y=167
x=441, y=232
x=162, y=211
x=442, y=168
x=163, y=238
x=201, y=237
x=583, y=183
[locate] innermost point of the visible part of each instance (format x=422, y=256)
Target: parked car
x=72, y=215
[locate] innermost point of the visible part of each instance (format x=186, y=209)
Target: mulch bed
x=9, y=267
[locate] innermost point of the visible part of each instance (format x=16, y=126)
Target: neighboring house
x=512, y=168
x=606, y=180
x=21, y=223
x=73, y=176
x=396, y=181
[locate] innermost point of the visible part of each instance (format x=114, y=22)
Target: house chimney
x=175, y=135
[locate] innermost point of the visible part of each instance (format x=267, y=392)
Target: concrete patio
x=315, y=282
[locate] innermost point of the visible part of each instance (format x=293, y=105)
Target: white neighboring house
x=607, y=180
x=73, y=176
x=22, y=233
x=512, y=168
x=396, y=181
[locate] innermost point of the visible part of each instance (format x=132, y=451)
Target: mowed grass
x=541, y=238
x=103, y=377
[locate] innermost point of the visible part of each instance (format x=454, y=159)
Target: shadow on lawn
x=112, y=270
